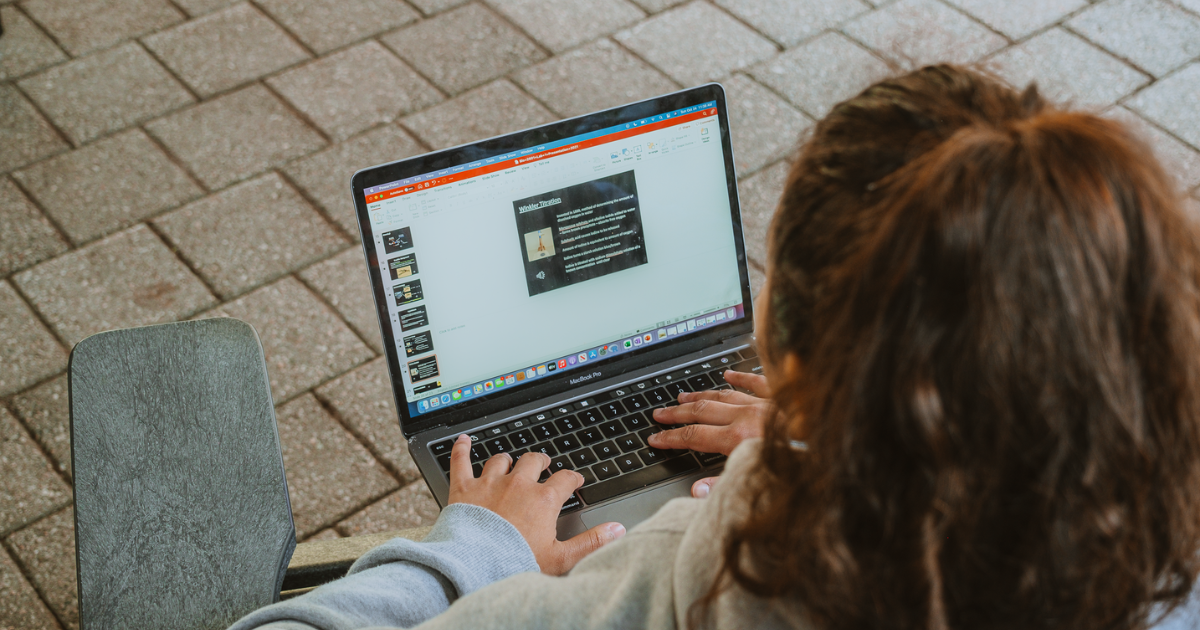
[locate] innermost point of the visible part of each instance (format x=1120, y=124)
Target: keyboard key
x=590, y=436
x=499, y=445
x=606, y=470
x=635, y=403
x=566, y=424
x=544, y=431
x=710, y=459
x=444, y=462
x=522, y=439
x=562, y=411
x=566, y=443
x=749, y=365
x=518, y=453
x=675, y=389
x=628, y=443
x=494, y=431
x=727, y=360
x=516, y=425
x=653, y=455
x=539, y=417
x=643, y=386
x=612, y=408
x=637, y=479
x=562, y=462
x=545, y=448
x=718, y=376
x=583, y=457
x=636, y=422
x=606, y=450
x=588, y=476
x=476, y=469
x=441, y=448
x=658, y=396
x=586, y=403
x=613, y=394
x=629, y=462
x=701, y=382
x=590, y=416
x=479, y=453
x=571, y=505
x=612, y=428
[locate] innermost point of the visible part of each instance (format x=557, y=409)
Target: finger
x=696, y=437
x=562, y=484
x=460, y=459
x=702, y=487
x=728, y=396
x=702, y=411
x=571, y=551
x=756, y=383
x=531, y=465
x=496, y=465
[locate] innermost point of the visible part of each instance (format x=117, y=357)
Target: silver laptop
x=545, y=290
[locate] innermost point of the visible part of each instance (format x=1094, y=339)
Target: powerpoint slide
x=403, y=266
x=408, y=292
x=397, y=240
x=413, y=318
x=580, y=232
x=419, y=343
x=422, y=369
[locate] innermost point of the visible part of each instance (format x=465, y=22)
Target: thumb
x=571, y=551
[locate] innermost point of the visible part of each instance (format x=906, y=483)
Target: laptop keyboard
x=604, y=437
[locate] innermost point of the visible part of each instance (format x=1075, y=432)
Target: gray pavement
x=152, y=152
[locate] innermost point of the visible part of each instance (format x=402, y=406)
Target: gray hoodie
x=475, y=571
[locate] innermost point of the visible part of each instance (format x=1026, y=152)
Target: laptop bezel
x=499, y=145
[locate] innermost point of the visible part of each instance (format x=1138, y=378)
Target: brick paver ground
x=148, y=149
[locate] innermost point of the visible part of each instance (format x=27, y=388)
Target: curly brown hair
x=996, y=307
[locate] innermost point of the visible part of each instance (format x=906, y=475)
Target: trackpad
x=637, y=508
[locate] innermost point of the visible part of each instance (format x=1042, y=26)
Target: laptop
x=546, y=289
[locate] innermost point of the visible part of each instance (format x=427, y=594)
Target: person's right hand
x=715, y=421
x=531, y=507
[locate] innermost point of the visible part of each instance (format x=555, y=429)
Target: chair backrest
x=182, y=518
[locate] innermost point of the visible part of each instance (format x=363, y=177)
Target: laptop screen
x=507, y=270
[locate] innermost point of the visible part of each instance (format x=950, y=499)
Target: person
x=980, y=408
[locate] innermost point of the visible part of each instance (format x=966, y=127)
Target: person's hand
x=530, y=506
x=715, y=421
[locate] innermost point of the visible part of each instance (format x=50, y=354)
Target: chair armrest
x=322, y=561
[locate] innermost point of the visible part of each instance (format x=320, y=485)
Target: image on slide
x=580, y=232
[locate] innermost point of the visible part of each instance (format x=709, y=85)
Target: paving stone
x=324, y=534
x=20, y=608
x=430, y=7
x=201, y=7
x=696, y=42
x=1155, y=35
x=594, y=76
x=329, y=473
x=24, y=47
x=491, y=110
x=654, y=6
x=364, y=400
x=764, y=126
x=226, y=49
x=411, y=506
x=759, y=196
x=107, y=185
x=342, y=280
x=1067, y=69
x=82, y=26
x=915, y=33
x=325, y=175
x=46, y=412
x=320, y=89
x=328, y=24
x=757, y=280
x=31, y=488
x=105, y=92
x=464, y=48
x=127, y=279
x=47, y=551
x=1171, y=103
x=28, y=352
x=24, y=135
x=564, y=24
x=1019, y=18
x=305, y=343
x=236, y=136
x=249, y=234
x=821, y=73
x=26, y=237
x=1180, y=160
x=791, y=21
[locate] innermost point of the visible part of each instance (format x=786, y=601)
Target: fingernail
x=461, y=436
x=615, y=531
x=657, y=412
x=702, y=490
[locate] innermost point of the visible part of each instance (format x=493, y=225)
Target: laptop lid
x=519, y=267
